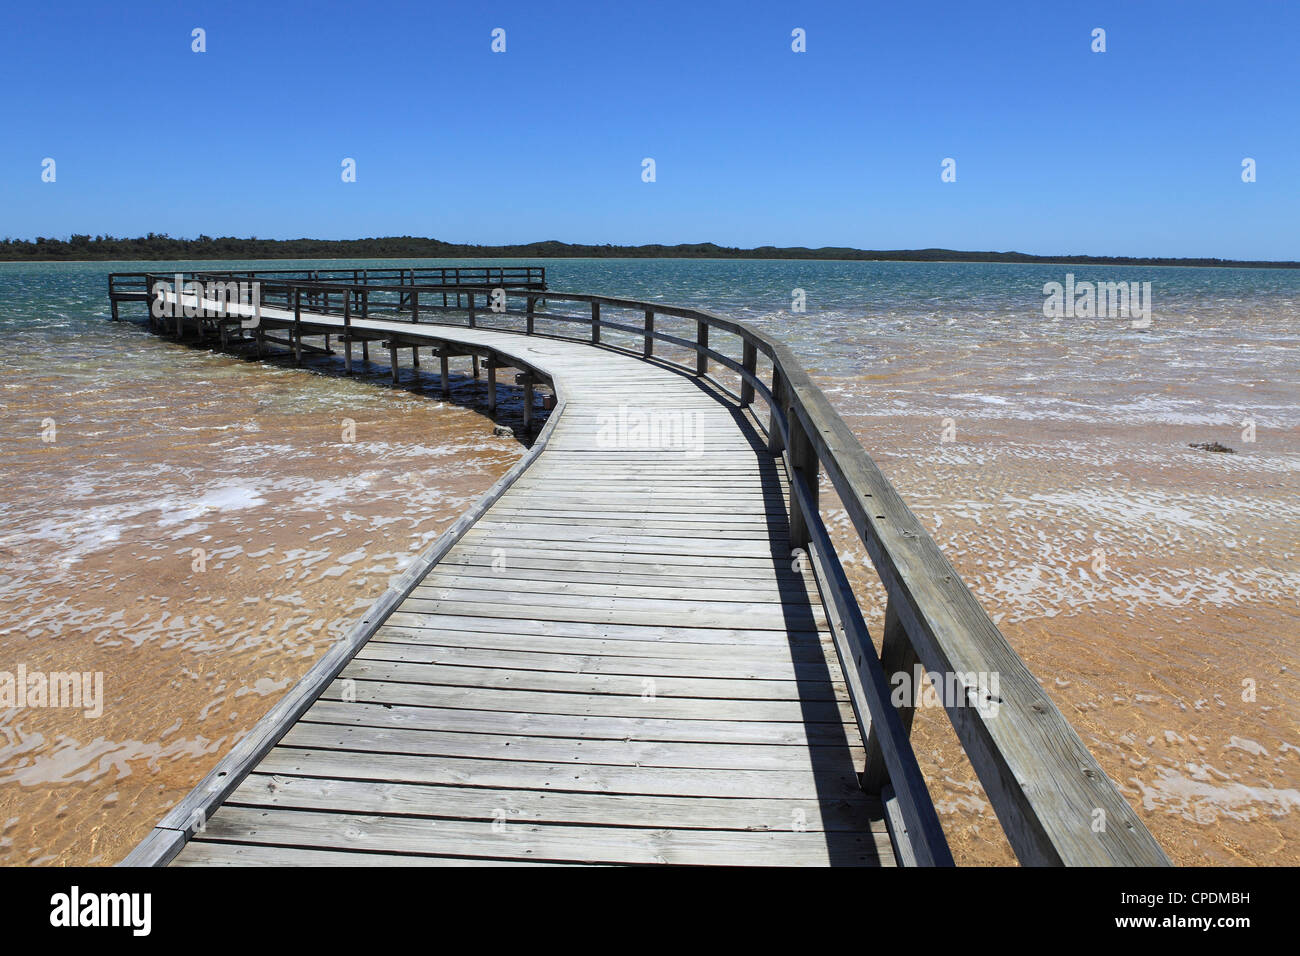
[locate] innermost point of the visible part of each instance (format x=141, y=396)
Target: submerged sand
x=199, y=548
x=1148, y=585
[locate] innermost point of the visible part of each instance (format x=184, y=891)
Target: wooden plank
x=498, y=639
x=561, y=807
x=787, y=733
x=520, y=701
x=719, y=666
x=311, y=735
x=386, y=834
x=668, y=615
x=201, y=853
x=579, y=778
x=615, y=630
x=710, y=689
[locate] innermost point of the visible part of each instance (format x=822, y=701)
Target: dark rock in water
x=503, y=431
x=1212, y=446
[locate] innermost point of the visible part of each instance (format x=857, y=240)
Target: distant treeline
x=158, y=246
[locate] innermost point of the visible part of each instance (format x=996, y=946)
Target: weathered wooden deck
x=614, y=657
x=616, y=664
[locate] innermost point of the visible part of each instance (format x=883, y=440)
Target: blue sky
x=1135, y=151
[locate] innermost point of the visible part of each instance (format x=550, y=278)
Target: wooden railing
x=1053, y=800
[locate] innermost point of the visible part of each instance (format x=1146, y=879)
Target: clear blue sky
x=1136, y=151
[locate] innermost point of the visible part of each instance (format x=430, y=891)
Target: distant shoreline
x=161, y=248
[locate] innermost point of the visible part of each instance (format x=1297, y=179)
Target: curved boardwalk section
x=617, y=663
x=614, y=657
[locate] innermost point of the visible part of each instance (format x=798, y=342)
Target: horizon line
x=84, y=243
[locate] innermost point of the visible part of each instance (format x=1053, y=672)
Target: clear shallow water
x=1069, y=436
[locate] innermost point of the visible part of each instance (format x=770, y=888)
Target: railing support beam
x=897, y=656
x=297, y=326
x=775, y=440
x=749, y=362
x=347, y=335
x=801, y=457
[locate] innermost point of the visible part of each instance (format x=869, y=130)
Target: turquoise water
x=1220, y=338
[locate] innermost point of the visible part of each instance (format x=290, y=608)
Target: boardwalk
x=615, y=665
x=615, y=657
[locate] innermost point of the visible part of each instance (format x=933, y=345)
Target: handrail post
x=529, y=320
x=198, y=310
x=801, y=457
x=347, y=334
x=297, y=326
x=365, y=313
x=595, y=323
x=648, y=349
x=472, y=321
x=180, y=309
x=897, y=656
x=750, y=363
x=415, y=305
x=701, y=344
x=775, y=440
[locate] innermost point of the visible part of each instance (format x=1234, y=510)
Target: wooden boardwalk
x=616, y=664
x=614, y=657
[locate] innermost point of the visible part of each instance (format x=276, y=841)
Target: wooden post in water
x=446, y=372
x=492, y=383
x=897, y=656
x=528, y=402
x=392, y=357
x=648, y=348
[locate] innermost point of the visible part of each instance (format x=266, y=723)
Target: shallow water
x=1147, y=584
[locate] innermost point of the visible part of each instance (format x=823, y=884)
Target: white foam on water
x=217, y=500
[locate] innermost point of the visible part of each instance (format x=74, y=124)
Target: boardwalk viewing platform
x=639, y=646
